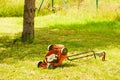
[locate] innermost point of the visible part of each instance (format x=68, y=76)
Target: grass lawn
x=79, y=32
x=18, y=61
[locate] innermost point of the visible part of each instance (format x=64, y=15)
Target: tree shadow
x=74, y=36
x=64, y=65
x=90, y=35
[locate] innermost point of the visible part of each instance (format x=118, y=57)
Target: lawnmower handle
x=100, y=54
x=68, y=57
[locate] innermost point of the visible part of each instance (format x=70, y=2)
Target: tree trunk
x=28, y=21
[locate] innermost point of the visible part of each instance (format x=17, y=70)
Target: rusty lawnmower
x=58, y=53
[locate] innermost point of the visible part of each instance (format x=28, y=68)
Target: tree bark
x=28, y=21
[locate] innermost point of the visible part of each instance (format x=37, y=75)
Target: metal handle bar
x=70, y=59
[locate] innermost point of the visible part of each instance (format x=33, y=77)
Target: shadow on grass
x=74, y=36
x=67, y=65
x=83, y=36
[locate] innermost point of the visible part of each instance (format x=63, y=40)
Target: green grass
x=10, y=8
x=19, y=61
x=78, y=31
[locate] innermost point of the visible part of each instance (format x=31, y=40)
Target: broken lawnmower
x=58, y=53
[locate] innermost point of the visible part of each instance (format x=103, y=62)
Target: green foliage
x=10, y=8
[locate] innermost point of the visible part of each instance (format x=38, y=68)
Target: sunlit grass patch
x=11, y=8
x=10, y=26
x=89, y=69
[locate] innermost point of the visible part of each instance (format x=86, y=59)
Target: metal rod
x=96, y=4
x=81, y=53
x=82, y=56
x=79, y=57
x=65, y=4
x=40, y=6
x=52, y=5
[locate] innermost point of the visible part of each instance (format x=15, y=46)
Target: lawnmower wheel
x=64, y=50
x=51, y=66
x=39, y=63
x=50, y=47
